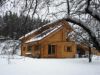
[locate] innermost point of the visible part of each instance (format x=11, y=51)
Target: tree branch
x=95, y=15
x=90, y=11
x=93, y=38
x=68, y=7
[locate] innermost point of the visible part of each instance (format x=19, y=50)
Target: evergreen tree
x=13, y=25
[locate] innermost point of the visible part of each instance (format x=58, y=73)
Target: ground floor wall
x=62, y=50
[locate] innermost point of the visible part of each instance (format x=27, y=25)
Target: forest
x=11, y=25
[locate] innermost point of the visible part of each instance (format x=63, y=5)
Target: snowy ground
x=33, y=66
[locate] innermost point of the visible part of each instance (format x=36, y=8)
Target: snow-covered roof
x=43, y=34
x=33, y=31
x=29, y=33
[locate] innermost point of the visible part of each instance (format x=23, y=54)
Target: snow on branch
x=83, y=25
x=93, y=13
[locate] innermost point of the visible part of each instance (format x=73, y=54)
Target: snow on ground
x=32, y=66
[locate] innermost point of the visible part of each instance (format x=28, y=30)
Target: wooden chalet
x=49, y=41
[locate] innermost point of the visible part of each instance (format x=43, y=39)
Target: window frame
x=51, y=49
x=68, y=48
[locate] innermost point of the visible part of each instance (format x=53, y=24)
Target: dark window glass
x=51, y=49
x=69, y=49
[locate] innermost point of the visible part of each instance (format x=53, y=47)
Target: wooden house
x=49, y=41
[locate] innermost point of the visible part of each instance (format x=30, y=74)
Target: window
x=29, y=48
x=68, y=49
x=51, y=49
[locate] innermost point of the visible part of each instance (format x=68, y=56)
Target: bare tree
x=82, y=13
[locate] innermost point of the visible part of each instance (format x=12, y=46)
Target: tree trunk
x=90, y=58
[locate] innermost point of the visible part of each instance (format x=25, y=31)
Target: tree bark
x=90, y=55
